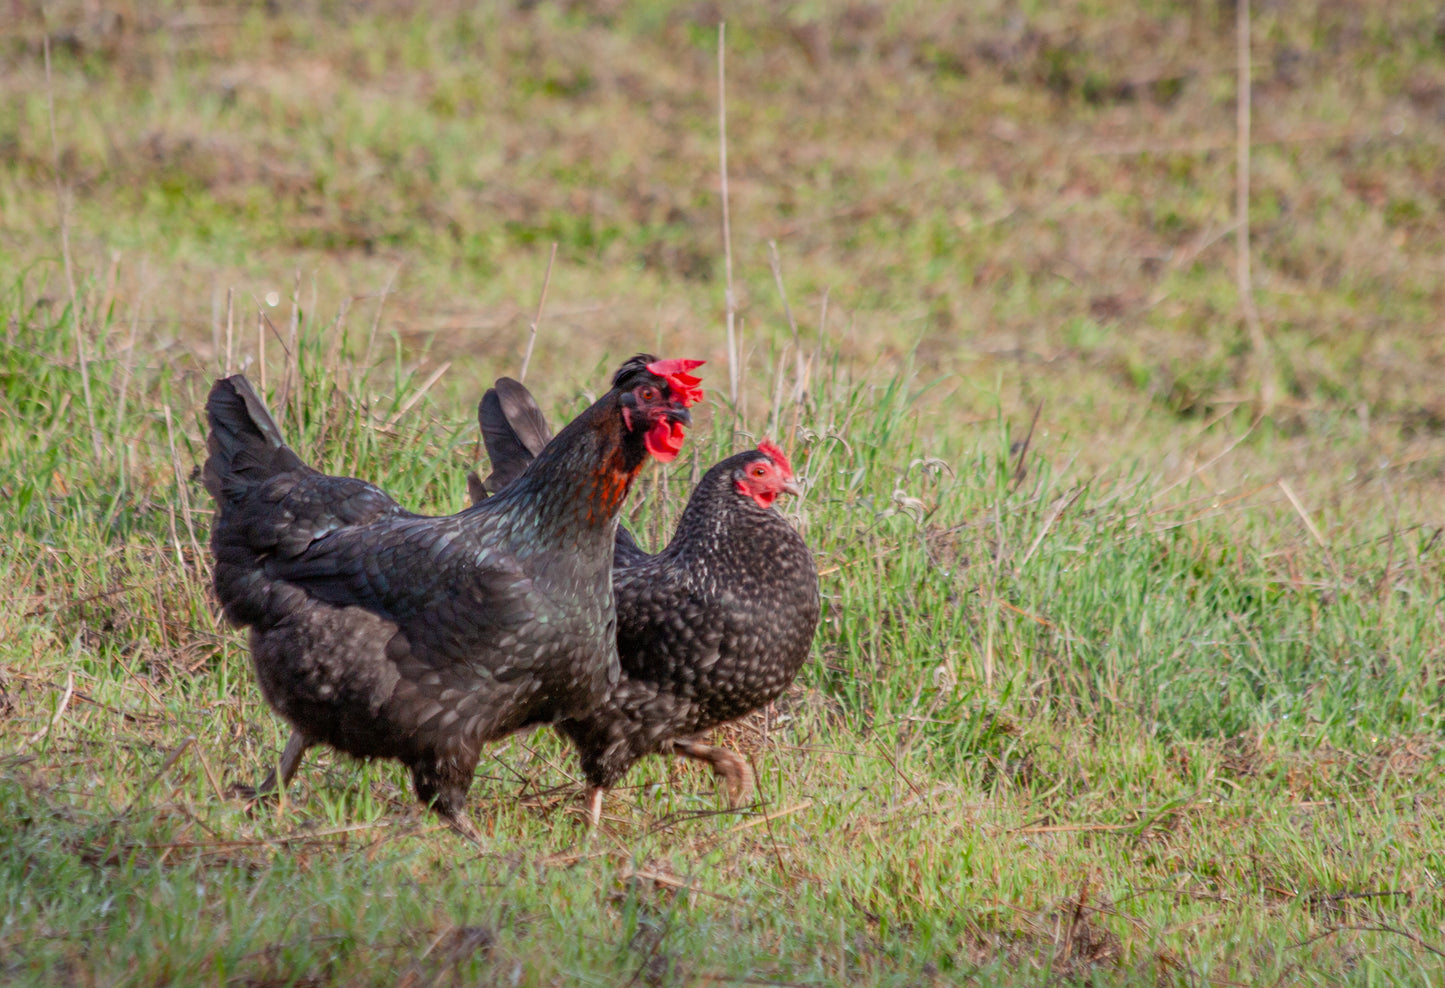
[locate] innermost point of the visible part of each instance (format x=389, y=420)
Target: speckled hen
x=711, y=628
x=384, y=633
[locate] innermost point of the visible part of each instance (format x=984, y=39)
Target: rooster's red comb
x=776, y=454
x=684, y=385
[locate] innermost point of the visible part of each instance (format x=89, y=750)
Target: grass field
x=1131, y=665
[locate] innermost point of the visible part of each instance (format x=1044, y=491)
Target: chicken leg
x=280, y=776
x=728, y=764
x=593, y=803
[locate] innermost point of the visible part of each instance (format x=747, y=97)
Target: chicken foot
x=444, y=789
x=728, y=764
x=734, y=771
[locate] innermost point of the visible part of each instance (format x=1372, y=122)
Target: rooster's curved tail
x=514, y=431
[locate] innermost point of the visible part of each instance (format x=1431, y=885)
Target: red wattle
x=762, y=496
x=664, y=440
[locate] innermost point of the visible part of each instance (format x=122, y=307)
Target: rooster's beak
x=680, y=415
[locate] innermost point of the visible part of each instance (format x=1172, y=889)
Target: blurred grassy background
x=1131, y=668
x=1035, y=200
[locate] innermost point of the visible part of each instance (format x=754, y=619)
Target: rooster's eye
x=649, y=394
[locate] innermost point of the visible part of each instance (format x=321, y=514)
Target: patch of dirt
x=1243, y=756
x=1402, y=758
x=1067, y=941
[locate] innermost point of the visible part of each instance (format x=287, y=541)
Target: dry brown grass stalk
x=1244, y=282
x=59, y=712
x=261, y=346
x=128, y=368
x=365, y=364
x=230, y=331
x=416, y=395
x=537, y=320
x=181, y=489
x=777, y=267
x=63, y=218
x=722, y=151
x=292, y=379
x=1310, y=525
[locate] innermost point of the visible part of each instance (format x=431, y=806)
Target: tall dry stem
x=722, y=152
x=541, y=302
x=799, y=383
x=1244, y=282
x=64, y=220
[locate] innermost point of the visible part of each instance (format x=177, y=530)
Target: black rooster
x=711, y=628
x=388, y=634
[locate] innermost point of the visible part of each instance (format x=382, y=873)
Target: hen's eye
x=649, y=394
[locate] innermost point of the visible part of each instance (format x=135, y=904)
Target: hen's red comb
x=780, y=458
x=684, y=385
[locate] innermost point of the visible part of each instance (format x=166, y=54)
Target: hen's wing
x=667, y=634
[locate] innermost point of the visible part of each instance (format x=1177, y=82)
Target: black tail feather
x=245, y=446
x=514, y=431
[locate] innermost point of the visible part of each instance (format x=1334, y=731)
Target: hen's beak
x=679, y=414
x=792, y=487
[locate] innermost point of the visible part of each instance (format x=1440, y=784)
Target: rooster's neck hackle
x=595, y=460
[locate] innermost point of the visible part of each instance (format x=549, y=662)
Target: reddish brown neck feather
x=611, y=481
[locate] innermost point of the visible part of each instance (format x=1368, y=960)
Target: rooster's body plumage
x=384, y=633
